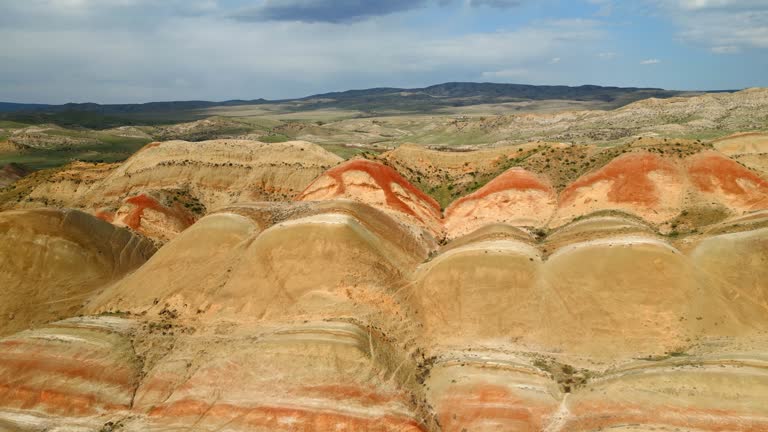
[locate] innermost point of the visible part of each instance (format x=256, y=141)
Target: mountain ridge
x=487, y=92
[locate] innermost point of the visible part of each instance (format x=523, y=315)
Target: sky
x=130, y=51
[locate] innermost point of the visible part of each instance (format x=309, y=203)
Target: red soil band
x=598, y=416
x=54, y=401
x=629, y=178
x=150, y=145
x=106, y=216
x=466, y=406
x=143, y=202
x=165, y=382
x=278, y=418
x=512, y=179
x=384, y=177
x=36, y=364
x=710, y=170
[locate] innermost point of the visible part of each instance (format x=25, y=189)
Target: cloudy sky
x=110, y=51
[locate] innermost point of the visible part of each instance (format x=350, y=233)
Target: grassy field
x=41, y=159
x=346, y=152
x=97, y=146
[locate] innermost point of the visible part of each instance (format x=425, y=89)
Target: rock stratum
x=250, y=287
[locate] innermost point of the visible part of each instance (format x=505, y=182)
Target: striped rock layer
x=342, y=310
x=646, y=185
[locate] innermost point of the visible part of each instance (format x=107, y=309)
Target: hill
x=427, y=99
x=458, y=94
x=293, y=291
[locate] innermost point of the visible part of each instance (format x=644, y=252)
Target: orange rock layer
x=340, y=312
x=647, y=185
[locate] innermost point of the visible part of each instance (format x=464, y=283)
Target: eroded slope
x=360, y=306
x=53, y=260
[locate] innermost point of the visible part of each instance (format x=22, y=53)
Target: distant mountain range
x=415, y=99
x=9, y=107
x=493, y=90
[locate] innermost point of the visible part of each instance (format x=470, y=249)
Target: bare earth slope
x=10, y=173
x=165, y=187
x=517, y=197
x=377, y=185
x=53, y=260
x=750, y=149
x=323, y=295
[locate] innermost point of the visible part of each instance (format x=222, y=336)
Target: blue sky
x=113, y=51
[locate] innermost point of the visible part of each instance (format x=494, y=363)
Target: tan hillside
x=749, y=149
x=53, y=260
x=623, y=290
x=379, y=186
x=517, y=197
x=165, y=187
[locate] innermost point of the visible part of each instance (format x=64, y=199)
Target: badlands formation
x=240, y=286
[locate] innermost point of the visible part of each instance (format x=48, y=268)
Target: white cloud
x=187, y=56
x=607, y=55
x=555, y=60
x=717, y=4
x=725, y=26
x=650, y=62
x=726, y=49
x=506, y=74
